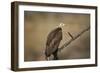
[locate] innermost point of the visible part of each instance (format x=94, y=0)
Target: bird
x=52, y=44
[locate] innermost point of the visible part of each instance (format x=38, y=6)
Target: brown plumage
x=53, y=41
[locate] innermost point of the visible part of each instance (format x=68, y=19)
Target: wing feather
x=53, y=41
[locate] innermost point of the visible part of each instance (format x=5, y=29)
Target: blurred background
x=37, y=26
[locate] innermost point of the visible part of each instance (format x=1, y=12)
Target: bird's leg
x=55, y=55
x=47, y=58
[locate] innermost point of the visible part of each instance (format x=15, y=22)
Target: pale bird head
x=61, y=25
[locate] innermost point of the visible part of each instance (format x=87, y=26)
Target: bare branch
x=74, y=38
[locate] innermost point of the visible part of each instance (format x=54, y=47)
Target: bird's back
x=53, y=41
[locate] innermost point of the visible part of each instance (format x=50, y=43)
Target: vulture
x=53, y=40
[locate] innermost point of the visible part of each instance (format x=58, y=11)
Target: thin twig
x=74, y=38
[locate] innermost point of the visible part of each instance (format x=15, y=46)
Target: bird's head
x=61, y=25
